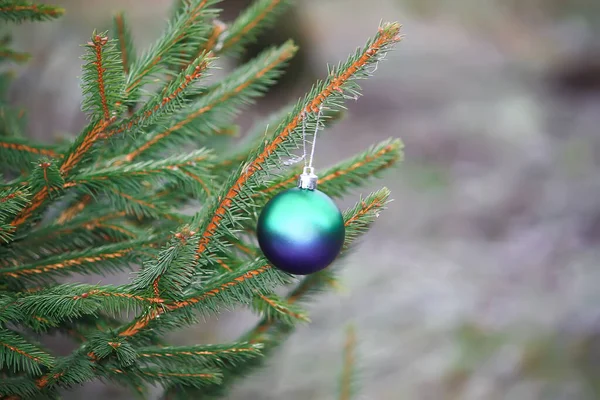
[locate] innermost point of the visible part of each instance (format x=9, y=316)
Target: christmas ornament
x=301, y=230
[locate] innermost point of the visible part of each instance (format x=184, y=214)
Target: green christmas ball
x=301, y=231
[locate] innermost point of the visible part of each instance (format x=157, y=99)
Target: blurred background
x=481, y=281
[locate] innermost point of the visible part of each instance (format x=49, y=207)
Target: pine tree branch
x=170, y=100
x=97, y=44
x=331, y=90
x=18, y=354
x=16, y=153
x=185, y=26
x=339, y=179
x=125, y=42
x=106, y=258
x=249, y=23
x=257, y=276
x=218, y=28
x=181, y=170
x=11, y=55
x=74, y=209
x=217, y=355
x=348, y=371
x=274, y=308
x=240, y=87
x=19, y=11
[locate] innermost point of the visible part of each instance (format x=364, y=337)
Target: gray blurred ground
x=481, y=280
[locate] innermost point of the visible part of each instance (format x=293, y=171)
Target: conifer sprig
x=222, y=101
x=331, y=91
x=11, y=55
x=17, y=153
x=188, y=27
x=339, y=179
x=250, y=22
x=100, y=260
x=125, y=42
x=181, y=170
x=103, y=79
x=211, y=355
x=17, y=354
x=19, y=11
x=347, y=378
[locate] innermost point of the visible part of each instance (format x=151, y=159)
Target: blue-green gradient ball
x=301, y=231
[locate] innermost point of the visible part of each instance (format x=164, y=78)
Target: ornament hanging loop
x=308, y=179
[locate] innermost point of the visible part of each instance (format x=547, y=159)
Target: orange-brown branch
x=122, y=42
x=21, y=352
x=75, y=209
x=142, y=322
x=98, y=42
x=313, y=106
x=349, y=360
x=366, y=208
x=251, y=25
x=10, y=196
x=98, y=292
x=198, y=352
x=166, y=100
x=281, y=309
x=29, y=149
x=40, y=269
x=13, y=55
x=191, y=17
x=51, y=11
x=282, y=58
x=368, y=159
x=218, y=28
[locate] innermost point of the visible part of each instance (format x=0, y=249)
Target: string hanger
x=308, y=179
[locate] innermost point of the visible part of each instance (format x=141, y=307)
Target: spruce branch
x=17, y=354
x=184, y=171
x=11, y=55
x=250, y=22
x=331, y=91
x=339, y=179
x=186, y=27
x=99, y=260
x=46, y=180
x=103, y=80
x=223, y=99
x=125, y=42
x=211, y=355
x=46, y=176
x=50, y=307
x=272, y=307
x=75, y=208
x=189, y=377
x=12, y=201
x=225, y=289
x=170, y=99
x=17, y=153
x=347, y=378
x=19, y=11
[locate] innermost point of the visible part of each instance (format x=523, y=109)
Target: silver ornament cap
x=308, y=179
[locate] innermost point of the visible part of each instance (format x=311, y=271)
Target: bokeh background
x=482, y=279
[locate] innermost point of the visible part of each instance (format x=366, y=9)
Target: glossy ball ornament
x=301, y=231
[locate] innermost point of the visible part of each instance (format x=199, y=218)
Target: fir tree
x=111, y=199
